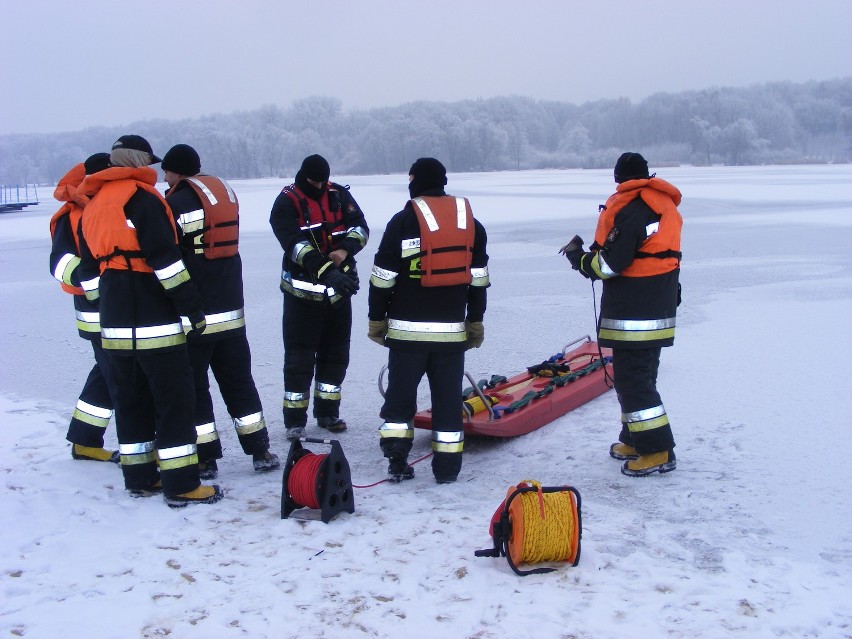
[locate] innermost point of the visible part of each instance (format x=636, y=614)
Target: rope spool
x=314, y=481
x=535, y=525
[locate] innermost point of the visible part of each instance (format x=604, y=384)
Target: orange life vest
x=111, y=239
x=447, y=234
x=221, y=234
x=67, y=191
x=660, y=252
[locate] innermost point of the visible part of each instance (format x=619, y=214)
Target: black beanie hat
x=428, y=173
x=316, y=168
x=182, y=159
x=630, y=166
x=96, y=162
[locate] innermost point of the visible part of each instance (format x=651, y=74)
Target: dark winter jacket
x=65, y=251
x=220, y=280
x=419, y=317
x=140, y=305
x=309, y=225
x=639, y=303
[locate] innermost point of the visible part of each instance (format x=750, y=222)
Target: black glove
x=573, y=251
x=197, y=323
x=341, y=282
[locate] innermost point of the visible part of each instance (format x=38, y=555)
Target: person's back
x=143, y=286
x=206, y=212
x=427, y=302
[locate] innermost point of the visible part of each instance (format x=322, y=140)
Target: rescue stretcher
x=508, y=407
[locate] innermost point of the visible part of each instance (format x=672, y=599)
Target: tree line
x=771, y=123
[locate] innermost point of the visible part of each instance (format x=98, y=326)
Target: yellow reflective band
x=479, y=277
x=192, y=222
x=639, y=336
x=178, y=462
x=426, y=331
x=65, y=267
x=400, y=430
x=171, y=281
x=441, y=447
x=249, y=424
x=92, y=415
x=651, y=424
x=327, y=391
x=601, y=268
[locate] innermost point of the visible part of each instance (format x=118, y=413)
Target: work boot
x=265, y=461
x=94, y=454
x=295, y=432
x=622, y=451
x=399, y=469
x=150, y=491
x=331, y=424
x=662, y=462
x=445, y=479
x=208, y=469
x=201, y=495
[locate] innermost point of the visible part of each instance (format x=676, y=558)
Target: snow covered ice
x=751, y=536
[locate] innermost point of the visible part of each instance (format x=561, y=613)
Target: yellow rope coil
x=544, y=526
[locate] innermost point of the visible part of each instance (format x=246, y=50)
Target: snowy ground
x=750, y=537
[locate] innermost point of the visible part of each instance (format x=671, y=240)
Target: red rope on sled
x=303, y=480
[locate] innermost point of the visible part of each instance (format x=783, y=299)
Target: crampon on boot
x=399, y=469
x=662, y=462
x=332, y=424
x=201, y=495
x=265, y=461
x=622, y=452
x=91, y=453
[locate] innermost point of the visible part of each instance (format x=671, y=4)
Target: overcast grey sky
x=68, y=65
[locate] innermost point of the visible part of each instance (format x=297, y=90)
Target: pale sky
x=69, y=65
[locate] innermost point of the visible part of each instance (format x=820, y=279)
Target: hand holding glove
x=340, y=281
x=573, y=251
x=377, y=331
x=475, y=334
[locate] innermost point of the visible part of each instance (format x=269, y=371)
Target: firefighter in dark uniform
x=427, y=303
x=129, y=249
x=321, y=228
x=95, y=405
x=206, y=212
x=636, y=253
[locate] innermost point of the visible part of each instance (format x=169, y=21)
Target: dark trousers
x=635, y=378
x=96, y=400
x=154, y=403
x=316, y=341
x=445, y=372
x=230, y=361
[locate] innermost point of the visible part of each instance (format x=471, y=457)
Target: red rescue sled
x=515, y=406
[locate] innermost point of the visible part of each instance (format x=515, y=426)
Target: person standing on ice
x=427, y=303
x=95, y=405
x=636, y=253
x=206, y=212
x=131, y=262
x=321, y=228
